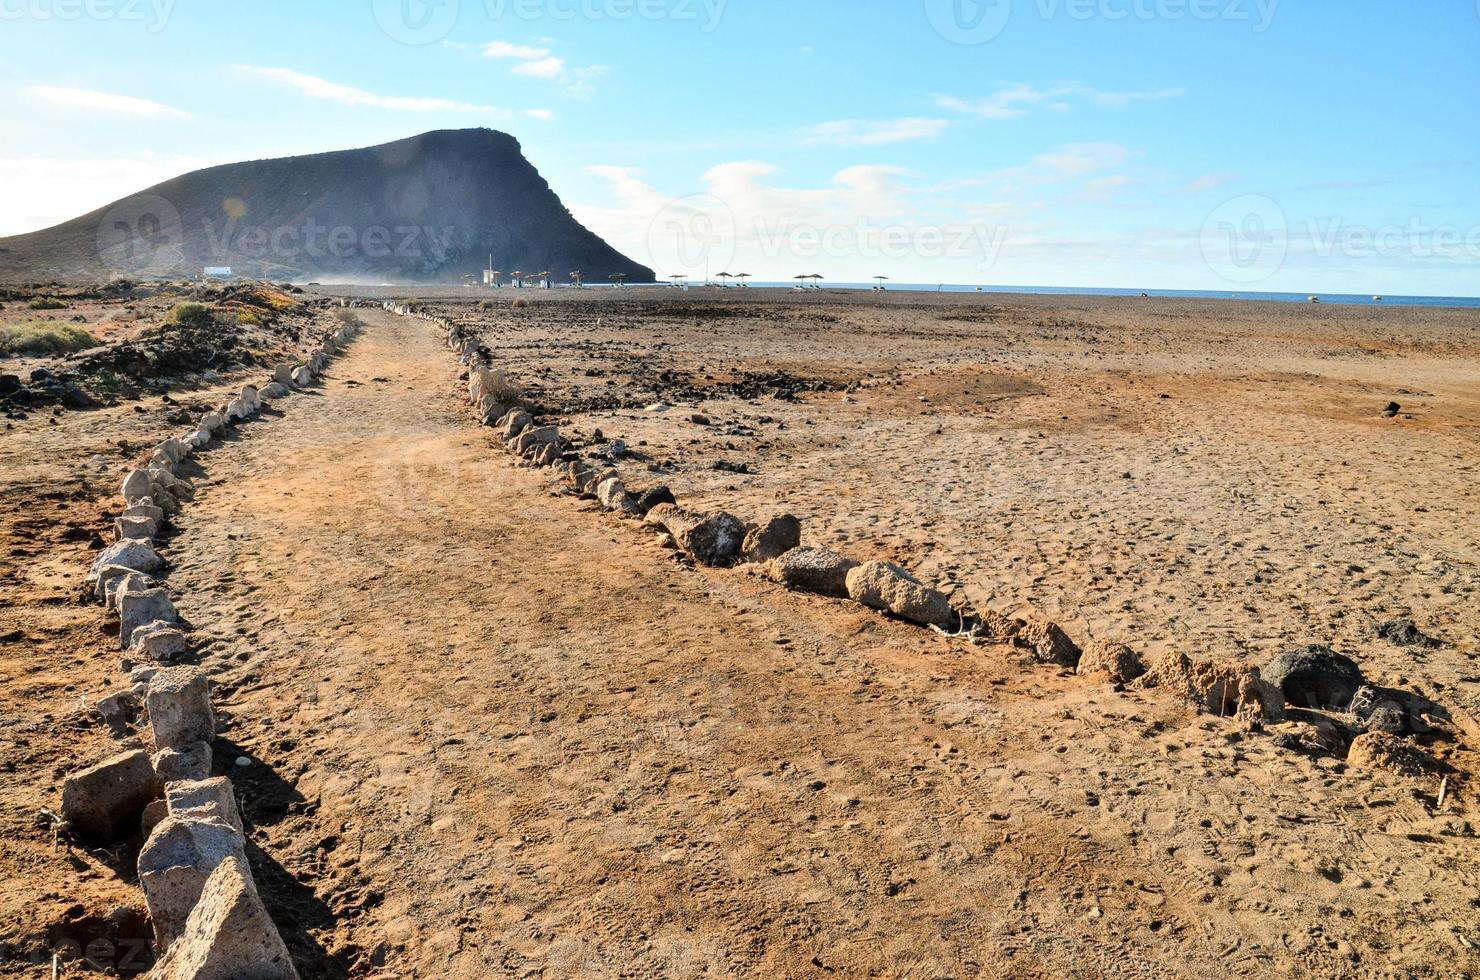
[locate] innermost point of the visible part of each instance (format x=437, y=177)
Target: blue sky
x=1303, y=145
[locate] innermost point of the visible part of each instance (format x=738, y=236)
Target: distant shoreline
x=774, y=290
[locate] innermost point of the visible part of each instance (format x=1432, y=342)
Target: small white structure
x=216, y=272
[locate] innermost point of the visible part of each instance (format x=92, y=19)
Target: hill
x=432, y=208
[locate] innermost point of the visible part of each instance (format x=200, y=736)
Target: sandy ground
x=496, y=732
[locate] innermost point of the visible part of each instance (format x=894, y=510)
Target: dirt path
x=496, y=732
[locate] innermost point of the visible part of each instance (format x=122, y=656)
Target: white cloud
x=547, y=68
x=1017, y=101
x=38, y=192
x=503, y=49
x=1206, y=182
x=319, y=88
x=545, y=115
x=875, y=132
x=541, y=63
x=105, y=102
x=1080, y=159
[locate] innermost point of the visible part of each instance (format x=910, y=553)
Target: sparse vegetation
x=190, y=314
x=36, y=338
x=520, y=304
x=249, y=319
x=348, y=317
x=47, y=303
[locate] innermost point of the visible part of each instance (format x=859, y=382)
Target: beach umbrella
x=742, y=276
x=723, y=275
x=575, y=277
x=620, y=278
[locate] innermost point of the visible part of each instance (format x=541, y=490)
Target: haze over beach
x=675, y=488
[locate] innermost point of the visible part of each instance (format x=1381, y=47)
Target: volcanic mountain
x=434, y=207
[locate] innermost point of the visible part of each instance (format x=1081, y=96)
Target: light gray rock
x=103, y=802
x=251, y=397
x=138, y=556
x=145, y=510
x=514, y=423
x=283, y=374
x=534, y=437
x=136, y=484
x=228, y=934
x=137, y=608
x=302, y=377
x=204, y=799
x=712, y=539
x=160, y=642
x=128, y=582
x=213, y=422
x=175, y=863
x=105, y=585
x=192, y=762
x=812, y=570
x=119, y=710
x=179, y=703
x=774, y=538
x=889, y=588
x=275, y=390
x=135, y=528
x=546, y=454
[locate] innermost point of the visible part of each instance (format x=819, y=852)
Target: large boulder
x=513, y=424
x=106, y=583
x=301, y=377
x=138, y=556
x=1314, y=677
x=179, y=703
x=1047, y=642
x=283, y=374
x=774, y=538
x=812, y=570
x=712, y=539
x=887, y=587
x=228, y=934
x=135, y=608
x=148, y=510
x=103, y=802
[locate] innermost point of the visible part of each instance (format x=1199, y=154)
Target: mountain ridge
x=429, y=208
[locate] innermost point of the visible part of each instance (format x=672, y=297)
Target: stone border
x=207, y=916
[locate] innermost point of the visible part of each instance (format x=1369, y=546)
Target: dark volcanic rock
x=1403, y=633
x=1314, y=677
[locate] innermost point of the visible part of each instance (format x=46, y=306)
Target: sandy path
x=498, y=733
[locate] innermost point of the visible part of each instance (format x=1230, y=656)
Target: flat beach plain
x=494, y=731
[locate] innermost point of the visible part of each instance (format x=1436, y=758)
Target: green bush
x=189, y=314
x=43, y=338
x=47, y=303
